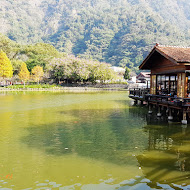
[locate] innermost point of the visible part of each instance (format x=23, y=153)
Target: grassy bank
x=54, y=87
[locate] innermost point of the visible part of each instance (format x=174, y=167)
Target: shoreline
x=63, y=89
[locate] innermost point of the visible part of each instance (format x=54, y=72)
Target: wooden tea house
x=169, y=81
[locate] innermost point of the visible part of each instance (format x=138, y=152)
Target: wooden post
x=159, y=112
x=169, y=85
x=182, y=85
x=176, y=84
x=149, y=108
x=153, y=81
x=170, y=117
x=184, y=121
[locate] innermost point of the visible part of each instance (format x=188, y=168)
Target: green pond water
x=88, y=141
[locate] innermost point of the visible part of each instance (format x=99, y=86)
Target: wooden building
x=169, y=79
x=143, y=77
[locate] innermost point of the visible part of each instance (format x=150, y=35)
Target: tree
x=31, y=63
x=24, y=74
x=74, y=69
x=10, y=47
x=6, y=69
x=16, y=64
x=37, y=73
x=40, y=54
x=59, y=69
x=101, y=71
x=127, y=73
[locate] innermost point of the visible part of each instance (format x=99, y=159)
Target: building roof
x=179, y=54
x=132, y=74
x=144, y=74
x=175, y=54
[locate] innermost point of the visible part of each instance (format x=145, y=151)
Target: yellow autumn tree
x=24, y=74
x=37, y=73
x=6, y=69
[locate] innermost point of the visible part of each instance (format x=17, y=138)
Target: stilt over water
x=184, y=121
x=165, y=105
x=170, y=117
x=159, y=111
x=149, y=108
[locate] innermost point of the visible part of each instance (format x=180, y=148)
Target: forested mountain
x=120, y=32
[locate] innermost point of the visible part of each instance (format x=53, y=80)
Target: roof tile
x=179, y=54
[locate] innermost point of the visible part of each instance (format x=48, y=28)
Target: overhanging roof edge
x=148, y=56
x=161, y=53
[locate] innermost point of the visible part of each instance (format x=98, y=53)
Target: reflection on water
x=167, y=158
x=89, y=141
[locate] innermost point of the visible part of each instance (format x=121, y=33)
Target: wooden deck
x=174, y=105
x=164, y=100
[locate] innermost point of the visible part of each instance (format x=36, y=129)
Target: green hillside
x=120, y=32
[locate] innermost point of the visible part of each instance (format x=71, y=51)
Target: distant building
x=143, y=77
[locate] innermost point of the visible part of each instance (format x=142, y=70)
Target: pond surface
x=88, y=141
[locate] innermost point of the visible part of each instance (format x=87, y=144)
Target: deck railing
x=140, y=92
x=176, y=101
x=144, y=93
